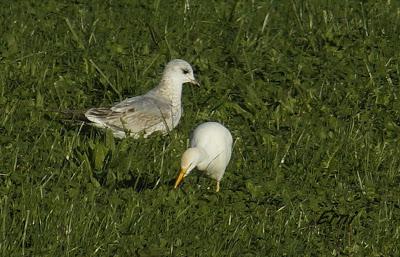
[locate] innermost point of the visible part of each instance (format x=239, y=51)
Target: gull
x=210, y=151
x=158, y=110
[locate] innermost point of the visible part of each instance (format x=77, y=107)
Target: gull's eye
x=185, y=71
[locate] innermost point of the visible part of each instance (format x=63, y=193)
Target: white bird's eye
x=185, y=71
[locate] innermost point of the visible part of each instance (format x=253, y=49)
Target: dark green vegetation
x=309, y=89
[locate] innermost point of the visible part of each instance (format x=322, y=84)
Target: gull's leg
x=217, y=190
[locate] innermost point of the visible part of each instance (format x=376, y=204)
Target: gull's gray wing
x=137, y=100
x=134, y=114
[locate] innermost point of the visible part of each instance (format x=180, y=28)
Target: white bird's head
x=190, y=159
x=180, y=70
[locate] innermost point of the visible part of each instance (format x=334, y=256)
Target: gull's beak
x=180, y=177
x=194, y=82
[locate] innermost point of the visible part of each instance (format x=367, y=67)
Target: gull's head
x=181, y=71
x=190, y=158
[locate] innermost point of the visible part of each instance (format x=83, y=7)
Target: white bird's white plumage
x=158, y=110
x=210, y=151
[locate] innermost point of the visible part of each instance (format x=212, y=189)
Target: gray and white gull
x=159, y=109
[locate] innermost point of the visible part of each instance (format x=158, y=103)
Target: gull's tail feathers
x=102, y=117
x=95, y=113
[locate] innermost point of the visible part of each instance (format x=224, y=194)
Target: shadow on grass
x=137, y=182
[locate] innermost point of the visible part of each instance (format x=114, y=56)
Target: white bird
x=158, y=110
x=210, y=151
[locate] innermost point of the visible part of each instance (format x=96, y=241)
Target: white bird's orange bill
x=180, y=177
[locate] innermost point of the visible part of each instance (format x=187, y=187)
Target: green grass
x=309, y=89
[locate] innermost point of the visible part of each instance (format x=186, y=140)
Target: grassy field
x=309, y=89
